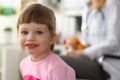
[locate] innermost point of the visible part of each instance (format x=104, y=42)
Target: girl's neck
x=41, y=57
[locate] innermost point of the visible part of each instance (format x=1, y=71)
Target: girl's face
x=35, y=39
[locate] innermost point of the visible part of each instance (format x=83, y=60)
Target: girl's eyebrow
x=41, y=29
x=23, y=28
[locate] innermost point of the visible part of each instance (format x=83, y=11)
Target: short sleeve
x=61, y=72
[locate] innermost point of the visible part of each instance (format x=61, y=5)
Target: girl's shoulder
x=25, y=60
x=55, y=60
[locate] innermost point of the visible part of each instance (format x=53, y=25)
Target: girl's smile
x=31, y=45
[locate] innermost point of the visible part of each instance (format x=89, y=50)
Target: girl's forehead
x=32, y=25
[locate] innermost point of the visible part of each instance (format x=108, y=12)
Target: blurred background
x=68, y=14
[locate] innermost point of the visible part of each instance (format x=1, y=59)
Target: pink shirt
x=50, y=68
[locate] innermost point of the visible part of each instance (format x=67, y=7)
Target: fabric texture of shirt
x=50, y=68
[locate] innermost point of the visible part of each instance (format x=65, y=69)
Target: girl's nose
x=30, y=37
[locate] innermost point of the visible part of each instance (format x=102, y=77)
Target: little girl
x=36, y=36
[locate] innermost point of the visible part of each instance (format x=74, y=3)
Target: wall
x=8, y=21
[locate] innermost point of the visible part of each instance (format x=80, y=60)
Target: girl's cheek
x=21, y=42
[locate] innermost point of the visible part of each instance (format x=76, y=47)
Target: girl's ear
x=53, y=38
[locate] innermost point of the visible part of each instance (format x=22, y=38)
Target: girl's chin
x=31, y=51
x=34, y=53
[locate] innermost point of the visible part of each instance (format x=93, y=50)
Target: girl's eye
x=39, y=32
x=24, y=32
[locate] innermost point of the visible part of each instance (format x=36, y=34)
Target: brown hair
x=39, y=14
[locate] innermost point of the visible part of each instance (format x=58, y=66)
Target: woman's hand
x=75, y=53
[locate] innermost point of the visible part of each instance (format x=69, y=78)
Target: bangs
x=37, y=14
x=34, y=15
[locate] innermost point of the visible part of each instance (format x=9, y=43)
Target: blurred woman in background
x=100, y=32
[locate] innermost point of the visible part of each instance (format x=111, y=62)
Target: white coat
x=101, y=30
